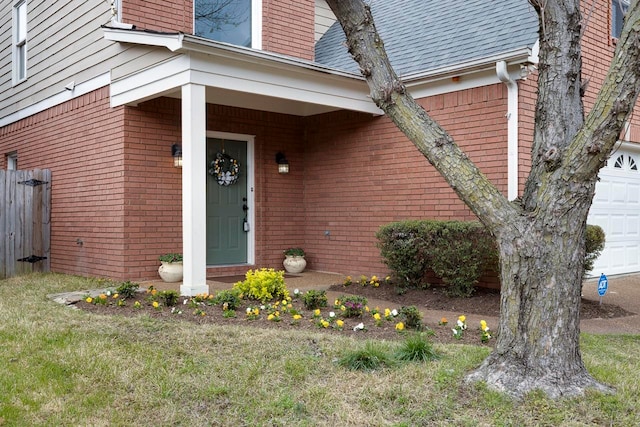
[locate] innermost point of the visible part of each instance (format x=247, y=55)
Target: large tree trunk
x=541, y=237
x=538, y=342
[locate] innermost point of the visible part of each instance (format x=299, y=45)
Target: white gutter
x=512, y=129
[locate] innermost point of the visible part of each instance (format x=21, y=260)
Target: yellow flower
x=462, y=318
x=316, y=312
x=155, y=304
x=325, y=324
x=270, y=317
x=153, y=292
x=284, y=302
x=89, y=300
x=386, y=279
x=366, y=308
x=343, y=308
x=387, y=312
x=297, y=317
x=483, y=325
x=102, y=296
x=136, y=304
x=376, y=316
x=339, y=323
x=399, y=326
x=336, y=303
x=115, y=296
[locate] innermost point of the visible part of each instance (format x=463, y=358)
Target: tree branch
x=389, y=93
x=593, y=144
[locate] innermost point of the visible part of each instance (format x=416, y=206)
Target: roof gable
x=423, y=35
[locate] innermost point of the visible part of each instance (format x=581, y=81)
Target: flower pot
x=170, y=271
x=294, y=264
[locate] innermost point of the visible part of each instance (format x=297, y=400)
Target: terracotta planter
x=170, y=271
x=294, y=264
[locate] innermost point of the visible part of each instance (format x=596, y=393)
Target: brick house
x=100, y=91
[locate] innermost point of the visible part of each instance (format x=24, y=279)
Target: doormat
x=241, y=277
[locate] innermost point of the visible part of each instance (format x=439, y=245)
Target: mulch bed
x=483, y=302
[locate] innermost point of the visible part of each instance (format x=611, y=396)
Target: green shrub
x=229, y=296
x=127, y=289
x=411, y=316
x=416, y=348
x=264, y=285
x=169, y=298
x=458, y=253
x=594, y=244
x=314, y=299
x=173, y=257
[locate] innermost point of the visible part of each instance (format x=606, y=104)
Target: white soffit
x=240, y=77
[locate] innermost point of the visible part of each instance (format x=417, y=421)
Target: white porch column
x=194, y=175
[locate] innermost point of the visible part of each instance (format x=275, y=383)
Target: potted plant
x=170, y=269
x=294, y=261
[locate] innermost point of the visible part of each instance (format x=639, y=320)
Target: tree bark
x=541, y=238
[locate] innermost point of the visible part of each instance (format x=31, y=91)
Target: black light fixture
x=176, y=152
x=283, y=163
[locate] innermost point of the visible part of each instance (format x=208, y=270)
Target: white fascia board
x=152, y=82
x=64, y=95
x=171, y=41
x=292, y=83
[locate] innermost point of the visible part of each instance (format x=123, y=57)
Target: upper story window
x=618, y=10
x=19, y=54
x=237, y=22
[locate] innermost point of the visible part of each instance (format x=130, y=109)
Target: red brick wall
x=159, y=15
x=361, y=173
x=288, y=27
x=80, y=141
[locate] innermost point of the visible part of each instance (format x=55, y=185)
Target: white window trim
x=19, y=44
x=12, y=161
x=256, y=23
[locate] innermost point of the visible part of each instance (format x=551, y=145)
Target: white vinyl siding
x=66, y=44
x=19, y=54
x=324, y=18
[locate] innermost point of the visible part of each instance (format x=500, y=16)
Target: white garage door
x=616, y=208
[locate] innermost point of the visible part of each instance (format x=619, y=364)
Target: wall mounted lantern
x=176, y=152
x=283, y=163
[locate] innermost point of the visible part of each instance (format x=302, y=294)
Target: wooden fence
x=25, y=219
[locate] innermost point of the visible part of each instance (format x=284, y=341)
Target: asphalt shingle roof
x=423, y=35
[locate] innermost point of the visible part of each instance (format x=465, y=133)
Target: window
x=12, y=161
x=626, y=163
x=19, y=41
x=232, y=21
x=618, y=10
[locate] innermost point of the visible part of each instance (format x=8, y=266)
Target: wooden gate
x=25, y=217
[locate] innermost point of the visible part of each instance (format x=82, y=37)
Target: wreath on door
x=224, y=169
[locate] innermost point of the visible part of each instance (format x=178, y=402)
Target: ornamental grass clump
x=265, y=284
x=368, y=358
x=416, y=348
x=411, y=316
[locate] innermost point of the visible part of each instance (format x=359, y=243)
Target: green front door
x=226, y=201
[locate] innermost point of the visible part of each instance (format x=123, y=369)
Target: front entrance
x=228, y=205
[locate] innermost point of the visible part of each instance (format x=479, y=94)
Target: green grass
x=60, y=366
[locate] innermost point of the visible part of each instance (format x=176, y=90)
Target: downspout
x=512, y=129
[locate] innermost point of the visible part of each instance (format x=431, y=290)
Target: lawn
x=60, y=366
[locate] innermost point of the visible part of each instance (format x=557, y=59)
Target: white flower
x=332, y=314
x=358, y=327
x=461, y=324
x=262, y=307
x=455, y=332
x=185, y=302
x=394, y=312
x=108, y=293
x=296, y=291
x=249, y=310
